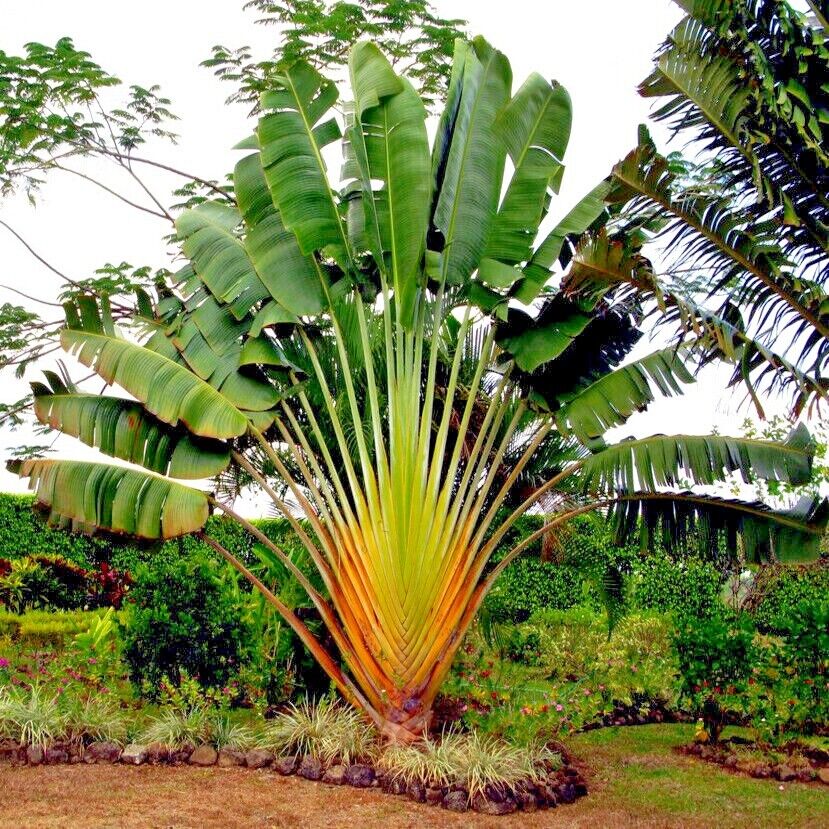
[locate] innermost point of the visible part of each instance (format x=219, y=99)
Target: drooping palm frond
x=745, y=82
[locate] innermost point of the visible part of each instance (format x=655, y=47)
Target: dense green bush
x=789, y=690
x=23, y=532
x=531, y=583
x=183, y=616
x=716, y=658
x=779, y=590
x=688, y=589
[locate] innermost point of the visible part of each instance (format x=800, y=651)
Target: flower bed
x=557, y=786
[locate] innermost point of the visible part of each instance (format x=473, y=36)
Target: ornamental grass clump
x=476, y=762
x=395, y=353
x=179, y=727
x=95, y=718
x=31, y=716
x=325, y=729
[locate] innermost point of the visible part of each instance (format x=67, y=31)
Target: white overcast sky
x=599, y=50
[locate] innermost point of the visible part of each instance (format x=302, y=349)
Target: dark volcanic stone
x=485, y=806
x=34, y=755
x=310, y=768
x=12, y=752
x=103, y=752
x=359, y=775
x=335, y=775
x=56, y=754
x=203, y=755
x=434, y=795
x=528, y=801
x=158, y=753
x=761, y=770
x=258, y=758
x=181, y=754
x=456, y=801
x=286, y=765
x=231, y=757
x=417, y=792
x=566, y=793
x=395, y=786
x=784, y=774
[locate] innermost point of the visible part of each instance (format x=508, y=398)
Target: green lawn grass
x=638, y=771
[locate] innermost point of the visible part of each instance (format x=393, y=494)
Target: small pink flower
x=559, y=706
x=4, y=663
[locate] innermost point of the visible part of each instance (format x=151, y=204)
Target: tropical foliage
x=309, y=320
x=741, y=232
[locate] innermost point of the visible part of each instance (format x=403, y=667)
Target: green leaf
x=289, y=276
x=469, y=158
x=114, y=498
x=392, y=148
x=533, y=343
x=169, y=391
x=684, y=520
x=122, y=429
x=535, y=127
x=291, y=143
x=613, y=398
x=659, y=461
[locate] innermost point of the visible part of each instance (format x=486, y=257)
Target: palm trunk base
x=402, y=728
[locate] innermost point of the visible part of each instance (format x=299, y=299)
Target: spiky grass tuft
x=96, y=718
x=325, y=729
x=476, y=762
x=31, y=716
x=178, y=727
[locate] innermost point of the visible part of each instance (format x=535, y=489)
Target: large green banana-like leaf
x=114, y=498
x=537, y=271
x=291, y=277
x=205, y=335
x=121, y=428
x=684, y=520
x=535, y=127
x=613, y=398
x=291, y=141
x=168, y=390
x=391, y=146
x=533, y=342
x=659, y=461
x=469, y=159
x=219, y=257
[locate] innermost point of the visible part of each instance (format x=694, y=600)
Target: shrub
x=789, y=689
x=183, y=617
x=716, y=658
x=689, y=589
x=778, y=590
